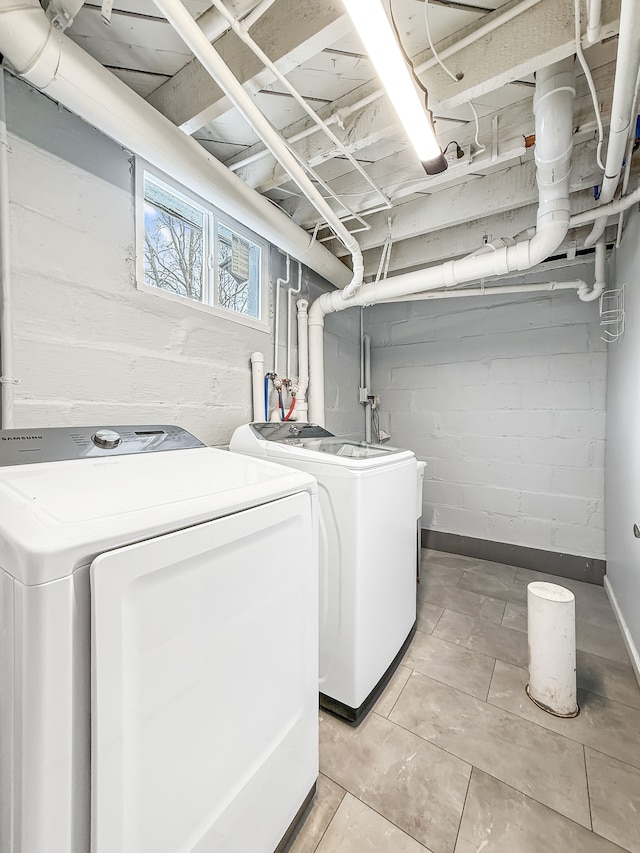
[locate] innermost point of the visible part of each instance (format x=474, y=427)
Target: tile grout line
x=444, y=610
x=572, y=738
x=619, y=760
x=586, y=778
x=486, y=772
x=332, y=816
x=379, y=813
x=493, y=672
x=544, y=805
x=399, y=694
x=464, y=805
x=471, y=592
x=515, y=716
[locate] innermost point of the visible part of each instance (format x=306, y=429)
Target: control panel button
x=106, y=438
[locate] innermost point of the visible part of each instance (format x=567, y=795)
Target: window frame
x=212, y=218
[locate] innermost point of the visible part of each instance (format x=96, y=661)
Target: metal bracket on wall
x=612, y=314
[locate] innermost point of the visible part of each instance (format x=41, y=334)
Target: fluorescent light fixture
x=374, y=28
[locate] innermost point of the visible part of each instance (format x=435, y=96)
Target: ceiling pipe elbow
x=600, y=276
x=36, y=43
x=553, y=109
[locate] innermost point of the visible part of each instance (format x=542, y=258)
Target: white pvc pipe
x=368, y=415
x=600, y=275
x=180, y=19
x=491, y=290
x=300, y=411
x=257, y=385
x=276, y=324
x=7, y=380
x=51, y=62
x=593, y=21
x=553, y=110
x=606, y=210
x=552, y=648
x=622, y=106
x=290, y=291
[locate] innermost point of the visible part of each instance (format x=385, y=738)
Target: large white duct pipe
x=51, y=62
x=182, y=22
x=622, y=106
x=553, y=109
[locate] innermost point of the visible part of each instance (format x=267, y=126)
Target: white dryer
x=158, y=653
x=367, y=554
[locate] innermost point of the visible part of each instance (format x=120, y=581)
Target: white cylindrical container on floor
x=551, y=616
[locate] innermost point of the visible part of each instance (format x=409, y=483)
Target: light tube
x=374, y=28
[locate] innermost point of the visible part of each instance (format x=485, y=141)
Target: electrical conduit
x=553, y=109
x=624, y=97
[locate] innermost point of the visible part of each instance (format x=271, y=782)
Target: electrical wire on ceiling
x=409, y=62
x=480, y=147
x=590, y=83
x=455, y=77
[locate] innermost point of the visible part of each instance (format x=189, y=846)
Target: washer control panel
x=56, y=444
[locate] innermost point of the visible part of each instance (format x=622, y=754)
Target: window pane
x=173, y=242
x=238, y=273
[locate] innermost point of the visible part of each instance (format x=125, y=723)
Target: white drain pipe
x=600, y=275
x=186, y=27
x=622, y=107
x=576, y=284
x=257, y=386
x=50, y=61
x=553, y=109
x=301, y=410
x=551, y=618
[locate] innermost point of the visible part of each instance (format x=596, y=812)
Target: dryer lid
x=58, y=516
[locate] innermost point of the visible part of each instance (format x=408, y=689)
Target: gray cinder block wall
x=504, y=398
x=344, y=415
x=89, y=347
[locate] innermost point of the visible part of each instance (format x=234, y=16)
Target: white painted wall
x=623, y=445
x=505, y=400
x=89, y=347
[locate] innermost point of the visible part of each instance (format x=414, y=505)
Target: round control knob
x=106, y=438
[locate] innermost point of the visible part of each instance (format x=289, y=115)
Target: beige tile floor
x=454, y=758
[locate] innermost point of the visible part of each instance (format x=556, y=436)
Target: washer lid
x=338, y=451
x=57, y=516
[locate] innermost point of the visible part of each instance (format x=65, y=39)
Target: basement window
x=188, y=250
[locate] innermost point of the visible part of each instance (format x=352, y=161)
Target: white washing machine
x=367, y=554
x=158, y=652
